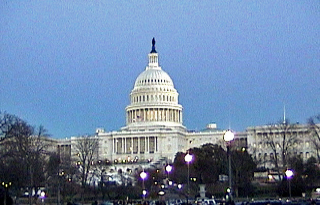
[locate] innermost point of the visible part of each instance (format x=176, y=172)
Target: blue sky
x=70, y=65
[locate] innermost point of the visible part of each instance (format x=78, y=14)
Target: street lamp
x=169, y=169
x=289, y=174
x=188, y=159
x=228, y=137
x=143, y=176
x=6, y=186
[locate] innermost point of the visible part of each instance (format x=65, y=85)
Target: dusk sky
x=70, y=65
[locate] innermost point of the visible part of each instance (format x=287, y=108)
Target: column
x=131, y=149
x=127, y=117
x=122, y=151
x=134, y=115
x=167, y=114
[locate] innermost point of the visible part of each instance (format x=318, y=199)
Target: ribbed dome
x=153, y=77
x=153, y=99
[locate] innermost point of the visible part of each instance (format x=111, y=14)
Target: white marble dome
x=153, y=99
x=153, y=77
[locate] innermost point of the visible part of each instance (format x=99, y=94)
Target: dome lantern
x=153, y=57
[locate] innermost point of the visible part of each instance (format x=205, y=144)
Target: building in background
x=270, y=141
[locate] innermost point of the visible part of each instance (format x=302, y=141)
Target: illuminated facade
x=154, y=130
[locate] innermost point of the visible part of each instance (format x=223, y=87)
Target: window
x=271, y=156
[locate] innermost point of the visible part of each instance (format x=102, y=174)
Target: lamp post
x=289, y=175
x=143, y=176
x=6, y=186
x=188, y=159
x=228, y=137
x=168, y=170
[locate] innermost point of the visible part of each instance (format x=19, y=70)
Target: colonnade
x=135, y=145
x=154, y=114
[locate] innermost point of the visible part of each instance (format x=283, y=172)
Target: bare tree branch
x=86, y=148
x=314, y=131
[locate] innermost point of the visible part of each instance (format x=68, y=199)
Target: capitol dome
x=153, y=77
x=153, y=99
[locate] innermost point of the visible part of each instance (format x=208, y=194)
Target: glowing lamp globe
x=188, y=158
x=228, y=136
x=143, y=175
x=289, y=173
x=168, y=168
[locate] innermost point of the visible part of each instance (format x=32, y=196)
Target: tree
x=243, y=167
x=86, y=148
x=311, y=173
x=314, y=130
x=281, y=138
x=209, y=162
x=7, y=122
x=23, y=151
x=60, y=175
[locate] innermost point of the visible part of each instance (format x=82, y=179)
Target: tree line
x=29, y=160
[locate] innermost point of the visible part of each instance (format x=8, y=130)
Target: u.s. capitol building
x=154, y=130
